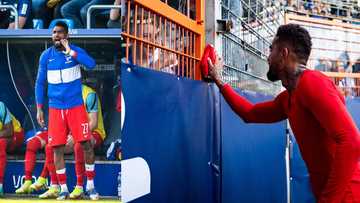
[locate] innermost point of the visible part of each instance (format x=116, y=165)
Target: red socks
x=79, y=164
x=32, y=147
x=49, y=162
x=3, y=144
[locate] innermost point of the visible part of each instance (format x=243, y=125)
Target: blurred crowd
x=327, y=9
x=41, y=14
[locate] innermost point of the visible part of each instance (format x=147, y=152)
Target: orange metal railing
x=161, y=38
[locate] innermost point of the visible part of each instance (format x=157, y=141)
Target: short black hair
x=298, y=38
x=63, y=25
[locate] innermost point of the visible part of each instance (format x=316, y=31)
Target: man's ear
x=285, y=52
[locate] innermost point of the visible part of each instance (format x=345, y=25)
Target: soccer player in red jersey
x=327, y=136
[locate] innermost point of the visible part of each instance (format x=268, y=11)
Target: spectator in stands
x=291, y=5
x=323, y=65
x=182, y=6
x=347, y=83
x=40, y=11
x=11, y=137
x=328, y=138
x=77, y=10
x=325, y=8
x=309, y=5
x=340, y=67
x=336, y=66
x=356, y=66
x=115, y=19
x=7, y=16
x=47, y=10
x=154, y=57
x=355, y=13
x=236, y=7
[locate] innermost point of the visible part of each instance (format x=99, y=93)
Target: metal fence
x=246, y=47
x=161, y=38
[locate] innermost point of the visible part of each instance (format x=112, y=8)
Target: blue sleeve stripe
x=4, y=114
x=91, y=103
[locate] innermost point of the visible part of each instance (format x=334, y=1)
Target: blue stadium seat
x=38, y=24
x=69, y=22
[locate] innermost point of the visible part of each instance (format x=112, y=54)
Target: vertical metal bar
x=187, y=52
x=188, y=8
x=127, y=32
x=166, y=54
x=141, y=35
x=176, y=48
x=170, y=44
x=190, y=54
x=153, y=39
x=194, y=53
x=135, y=30
x=248, y=19
x=159, y=41
x=148, y=40
x=180, y=65
x=182, y=50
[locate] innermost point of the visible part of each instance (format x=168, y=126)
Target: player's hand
x=40, y=117
x=216, y=69
x=65, y=44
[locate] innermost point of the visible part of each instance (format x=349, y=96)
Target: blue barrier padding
x=300, y=180
x=169, y=123
x=253, y=162
x=353, y=105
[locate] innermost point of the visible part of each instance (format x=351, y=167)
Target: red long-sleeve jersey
x=327, y=136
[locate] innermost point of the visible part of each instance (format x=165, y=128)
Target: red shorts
x=16, y=140
x=65, y=121
x=42, y=136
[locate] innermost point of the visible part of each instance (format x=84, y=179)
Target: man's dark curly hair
x=298, y=38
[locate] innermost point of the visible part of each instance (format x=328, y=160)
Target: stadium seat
x=38, y=24
x=69, y=22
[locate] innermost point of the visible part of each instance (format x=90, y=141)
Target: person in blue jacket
x=59, y=68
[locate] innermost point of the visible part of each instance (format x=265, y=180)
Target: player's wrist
x=219, y=83
x=39, y=106
x=67, y=51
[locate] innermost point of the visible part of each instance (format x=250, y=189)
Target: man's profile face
x=58, y=34
x=274, y=61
